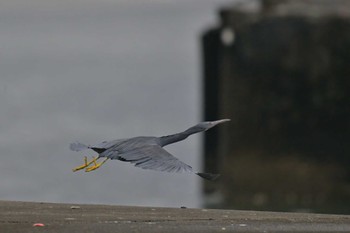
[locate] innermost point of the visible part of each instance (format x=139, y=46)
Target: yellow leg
x=86, y=164
x=96, y=165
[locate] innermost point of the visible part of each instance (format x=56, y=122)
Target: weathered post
x=281, y=72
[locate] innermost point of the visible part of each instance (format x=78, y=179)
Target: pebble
x=38, y=224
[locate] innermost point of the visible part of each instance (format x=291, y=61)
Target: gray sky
x=92, y=71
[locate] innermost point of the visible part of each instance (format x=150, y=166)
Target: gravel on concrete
x=16, y=216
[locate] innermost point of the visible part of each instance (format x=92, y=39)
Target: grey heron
x=145, y=152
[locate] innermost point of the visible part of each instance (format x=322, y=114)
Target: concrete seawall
x=21, y=216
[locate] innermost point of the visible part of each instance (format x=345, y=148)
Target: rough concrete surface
x=21, y=216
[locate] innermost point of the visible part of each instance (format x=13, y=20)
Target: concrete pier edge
x=18, y=216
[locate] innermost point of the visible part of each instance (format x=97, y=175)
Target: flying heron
x=145, y=152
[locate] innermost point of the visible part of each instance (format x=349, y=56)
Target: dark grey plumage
x=148, y=152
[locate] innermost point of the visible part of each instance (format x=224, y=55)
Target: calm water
x=93, y=71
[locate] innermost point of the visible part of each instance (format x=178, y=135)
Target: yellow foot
x=89, y=169
x=86, y=164
x=97, y=165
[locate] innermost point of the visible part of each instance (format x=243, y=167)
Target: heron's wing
x=151, y=157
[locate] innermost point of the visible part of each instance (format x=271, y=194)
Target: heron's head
x=204, y=126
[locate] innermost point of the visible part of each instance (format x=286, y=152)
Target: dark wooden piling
x=281, y=73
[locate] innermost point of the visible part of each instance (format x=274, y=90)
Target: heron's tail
x=77, y=146
x=208, y=176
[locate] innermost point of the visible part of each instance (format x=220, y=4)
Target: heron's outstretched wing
x=151, y=157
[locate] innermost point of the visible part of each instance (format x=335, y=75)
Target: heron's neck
x=166, y=140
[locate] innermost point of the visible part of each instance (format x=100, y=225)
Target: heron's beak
x=214, y=123
x=220, y=121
